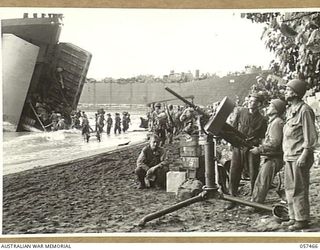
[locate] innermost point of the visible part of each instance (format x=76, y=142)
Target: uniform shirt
x=272, y=143
x=109, y=121
x=100, y=120
x=54, y=117
x=159, y=117
x=188, y=116
x=253, y=125
x=117, y=121
x=170, y=118
x=85, y=121
x=299, y=132
x=149, y=158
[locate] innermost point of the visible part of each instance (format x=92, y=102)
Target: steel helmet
x=279, y=105
x=298, y=86
x=158, y=104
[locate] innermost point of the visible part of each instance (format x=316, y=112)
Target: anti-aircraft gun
x=216, y=126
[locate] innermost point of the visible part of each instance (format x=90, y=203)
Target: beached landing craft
x=39, y=72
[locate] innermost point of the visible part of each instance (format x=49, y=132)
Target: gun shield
x=216, y=122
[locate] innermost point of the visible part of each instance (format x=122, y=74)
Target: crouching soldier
x=270, y=151
x=151, y=165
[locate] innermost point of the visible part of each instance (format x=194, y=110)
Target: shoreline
x=60, y=147
x=89, y=157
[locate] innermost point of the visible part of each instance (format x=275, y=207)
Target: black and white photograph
x=132, y=121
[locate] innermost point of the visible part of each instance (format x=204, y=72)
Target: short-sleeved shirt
x=299, y=131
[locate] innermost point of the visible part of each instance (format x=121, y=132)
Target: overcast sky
x=129, y=42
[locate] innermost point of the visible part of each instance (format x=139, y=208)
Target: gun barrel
x=200, y=111
x=179, y=97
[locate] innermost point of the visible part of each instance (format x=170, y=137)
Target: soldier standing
x=117, y=124
x=159, y=123
x=177, y=123
x=54, y=120
x=299, y=141
x=125, y=121
x=170, y=123
x=86, y=128
x=270, y=151
x=100, y=121
x=109, y=123
x=253, y=124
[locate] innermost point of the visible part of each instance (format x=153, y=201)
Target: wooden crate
x=193, y=151
x=190, y=162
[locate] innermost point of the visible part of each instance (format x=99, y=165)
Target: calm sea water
x=23, y=150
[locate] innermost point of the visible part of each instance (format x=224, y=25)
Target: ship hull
x=19, y=59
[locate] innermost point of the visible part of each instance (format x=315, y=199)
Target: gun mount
x=217, y=126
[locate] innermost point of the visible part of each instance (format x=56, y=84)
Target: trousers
x=159, y=176
x=296, y=184
x=241, y=157
x=267, y=172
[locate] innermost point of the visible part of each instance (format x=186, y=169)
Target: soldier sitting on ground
x=151, y=165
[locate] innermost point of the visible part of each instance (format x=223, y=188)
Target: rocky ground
x=99, y=195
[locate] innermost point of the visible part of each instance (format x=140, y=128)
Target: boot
x=142, y=185
x=231, y=205
x=298, y=225
x=288, y=223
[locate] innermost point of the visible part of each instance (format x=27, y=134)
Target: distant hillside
x=205, y=91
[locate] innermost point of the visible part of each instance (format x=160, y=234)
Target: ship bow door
x=72, y=64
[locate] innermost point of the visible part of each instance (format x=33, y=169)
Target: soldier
x=250, y=122
x=117, y=124
x=54, y=120
x=151, y=165
x=125, y=121
x=150, y=117
x=159, y=123
x=170, y=123
x=100, y=121
x=299, y=141
x=75, y=121
x=109, y=123
x=86, y=128
x=189, y=120
x=177, y=122
x=129, y=120
x=61, y=123
x=270, y=151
